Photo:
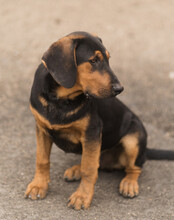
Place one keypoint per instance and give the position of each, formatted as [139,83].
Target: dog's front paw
[129,188]
[37,189]
[72,173]
[80,199]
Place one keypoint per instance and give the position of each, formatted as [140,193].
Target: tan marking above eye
[107,54]
[97,54]
[100,55]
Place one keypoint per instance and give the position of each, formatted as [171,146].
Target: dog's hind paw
[129,188]
[72,173]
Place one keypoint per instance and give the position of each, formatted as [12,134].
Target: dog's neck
[64,106]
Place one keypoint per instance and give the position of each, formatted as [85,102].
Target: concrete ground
[140,38]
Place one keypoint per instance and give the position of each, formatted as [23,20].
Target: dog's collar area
[87,95]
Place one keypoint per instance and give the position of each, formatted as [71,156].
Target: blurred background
[140,38]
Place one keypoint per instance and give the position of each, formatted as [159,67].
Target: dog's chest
[67,139]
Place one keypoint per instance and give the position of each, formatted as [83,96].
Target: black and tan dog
[73,102]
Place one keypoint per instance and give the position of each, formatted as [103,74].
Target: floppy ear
[60,61]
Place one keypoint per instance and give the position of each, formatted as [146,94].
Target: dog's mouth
[102,94]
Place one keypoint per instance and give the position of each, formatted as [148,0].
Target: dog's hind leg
[129,185]
[112,159]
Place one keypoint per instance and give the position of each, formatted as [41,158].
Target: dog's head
[80,58]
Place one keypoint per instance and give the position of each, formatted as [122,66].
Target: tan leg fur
[89,172]
[37,189]
[129,185]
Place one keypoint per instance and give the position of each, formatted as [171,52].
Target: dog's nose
[117,89]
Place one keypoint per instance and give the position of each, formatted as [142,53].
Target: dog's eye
[94,60]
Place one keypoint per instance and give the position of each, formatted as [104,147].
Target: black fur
[61,61]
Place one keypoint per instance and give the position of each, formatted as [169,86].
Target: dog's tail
[154,154]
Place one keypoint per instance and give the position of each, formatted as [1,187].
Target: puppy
[74,105]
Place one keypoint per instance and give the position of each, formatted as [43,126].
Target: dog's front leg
[89,172]
[37,189]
